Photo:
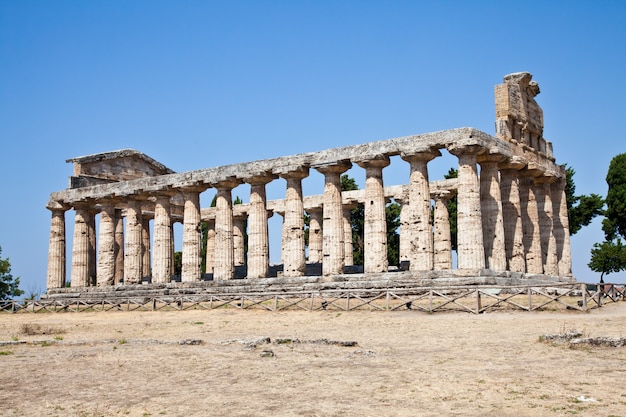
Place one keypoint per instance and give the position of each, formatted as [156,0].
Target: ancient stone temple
[512,215]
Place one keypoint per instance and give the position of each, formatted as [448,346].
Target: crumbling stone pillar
[162,249]
[348,249]
[210,246]
[146,251]
[442,242]
[119,247]
[240,221]
[512,216]
[315,234]
[91,230]
[224,249]
[192,240]
[133,260]
[293,245]
[561,228]
[258,236]
[106,245]
[81,247]
[375,227]
[546,223]
[491,206]
[56,248]
[333,234]
[417,226]
[530,224]
[470,249]
[405,243]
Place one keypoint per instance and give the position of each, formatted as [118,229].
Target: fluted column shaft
[417,226]
[162,248]
[133,261]
[546,223]
[224,248]
[491,206]
[512,220]
[146,250]
[333,234]
[348,249]
[239,238]
[106,246]
[91,230]
[56,250]
[315,234]
[375,227]
[210,246]
[80,248]
[470,249]
[258,235]
[561,228]
[192,239]
[442,242]
[530,225]
[293,245]
[119,247]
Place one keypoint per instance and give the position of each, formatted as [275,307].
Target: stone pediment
[115,166]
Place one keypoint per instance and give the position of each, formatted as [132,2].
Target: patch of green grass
[5,352]
[122,341]
[57,337]
[199,323]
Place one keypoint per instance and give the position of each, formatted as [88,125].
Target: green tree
[581,209]
[607,257]
[614,223]
[9,285]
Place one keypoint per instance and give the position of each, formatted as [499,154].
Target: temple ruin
[512,214]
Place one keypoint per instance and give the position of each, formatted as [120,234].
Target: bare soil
[405,363]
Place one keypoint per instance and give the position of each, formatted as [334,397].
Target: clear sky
[198,84]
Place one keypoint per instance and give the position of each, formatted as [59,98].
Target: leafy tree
[614,223]
[607,257]
[9,285]
[581,209]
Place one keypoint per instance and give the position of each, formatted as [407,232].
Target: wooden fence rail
[470,299]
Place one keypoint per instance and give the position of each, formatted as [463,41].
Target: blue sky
[198,84]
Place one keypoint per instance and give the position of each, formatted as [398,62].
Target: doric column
[106,245]
[442,242]
[119,247]
[561,228]
[81,247]
[239,238]
[405,243]
[258,237]
[315,234]
[192,236]
[348,249]
[162,259]
[530,224]
[210,246]
[56,248]
[224,249]
[133,260]
[491,206]
[333,235]
[546,223]
[146,250]
[293,245]
[375,227]
[471,253]
[512,217]
[91,230]
[418,228]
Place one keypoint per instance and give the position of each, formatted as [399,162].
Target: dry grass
[404,363]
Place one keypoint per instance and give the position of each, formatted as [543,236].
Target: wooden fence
[470,299]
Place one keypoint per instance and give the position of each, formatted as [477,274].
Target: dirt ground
[404,363]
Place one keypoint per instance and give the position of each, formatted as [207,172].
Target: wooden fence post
[583,289]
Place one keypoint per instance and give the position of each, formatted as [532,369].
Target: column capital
[338,167]
[199,188]
[293,172]
[514,163]
[227,183]
[421,155]
[545,179]
[490,158]
[261,178]
[459,150]
[377,161]
[57,206]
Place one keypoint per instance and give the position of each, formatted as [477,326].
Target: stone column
[405,243]
[192,236]
[224,249]
[56,248]
[530,225]
[133,259]
[119,247]
[258,236]
[442,242]
[162,248]
[333,234]
[471,253]
[81,247]
[418,228]
[146,251]
[546,222]
[375,227]
[239,238]
[210,246]
[293,245]
[348,249]
[315,234]
[512,216]
[91,230]
[561,228]
[491,205]
[106,245]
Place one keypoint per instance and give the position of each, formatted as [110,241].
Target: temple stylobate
[512,212]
